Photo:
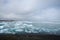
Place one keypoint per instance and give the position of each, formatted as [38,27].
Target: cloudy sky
[31,10]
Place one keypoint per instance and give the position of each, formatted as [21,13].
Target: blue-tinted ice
[29,27]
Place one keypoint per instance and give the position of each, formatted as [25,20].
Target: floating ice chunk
[4,30]
[1,31]
[37,28]
[19,23]
[33,27]
[30,25]
[22,27]
[29,31]
[19,30]
[16,27]
[27,22]
[24,24]
[33,31]
[1,27]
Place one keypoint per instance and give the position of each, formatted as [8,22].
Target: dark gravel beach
[29,37]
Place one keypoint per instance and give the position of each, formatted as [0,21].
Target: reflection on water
[29,27]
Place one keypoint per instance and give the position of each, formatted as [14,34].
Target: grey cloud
[32,10]
[18,8]
[49,14]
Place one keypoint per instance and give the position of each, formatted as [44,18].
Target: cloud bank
[31,10]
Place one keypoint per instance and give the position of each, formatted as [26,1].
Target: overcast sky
[31,10]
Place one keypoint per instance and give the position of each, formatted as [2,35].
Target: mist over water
[29,27]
